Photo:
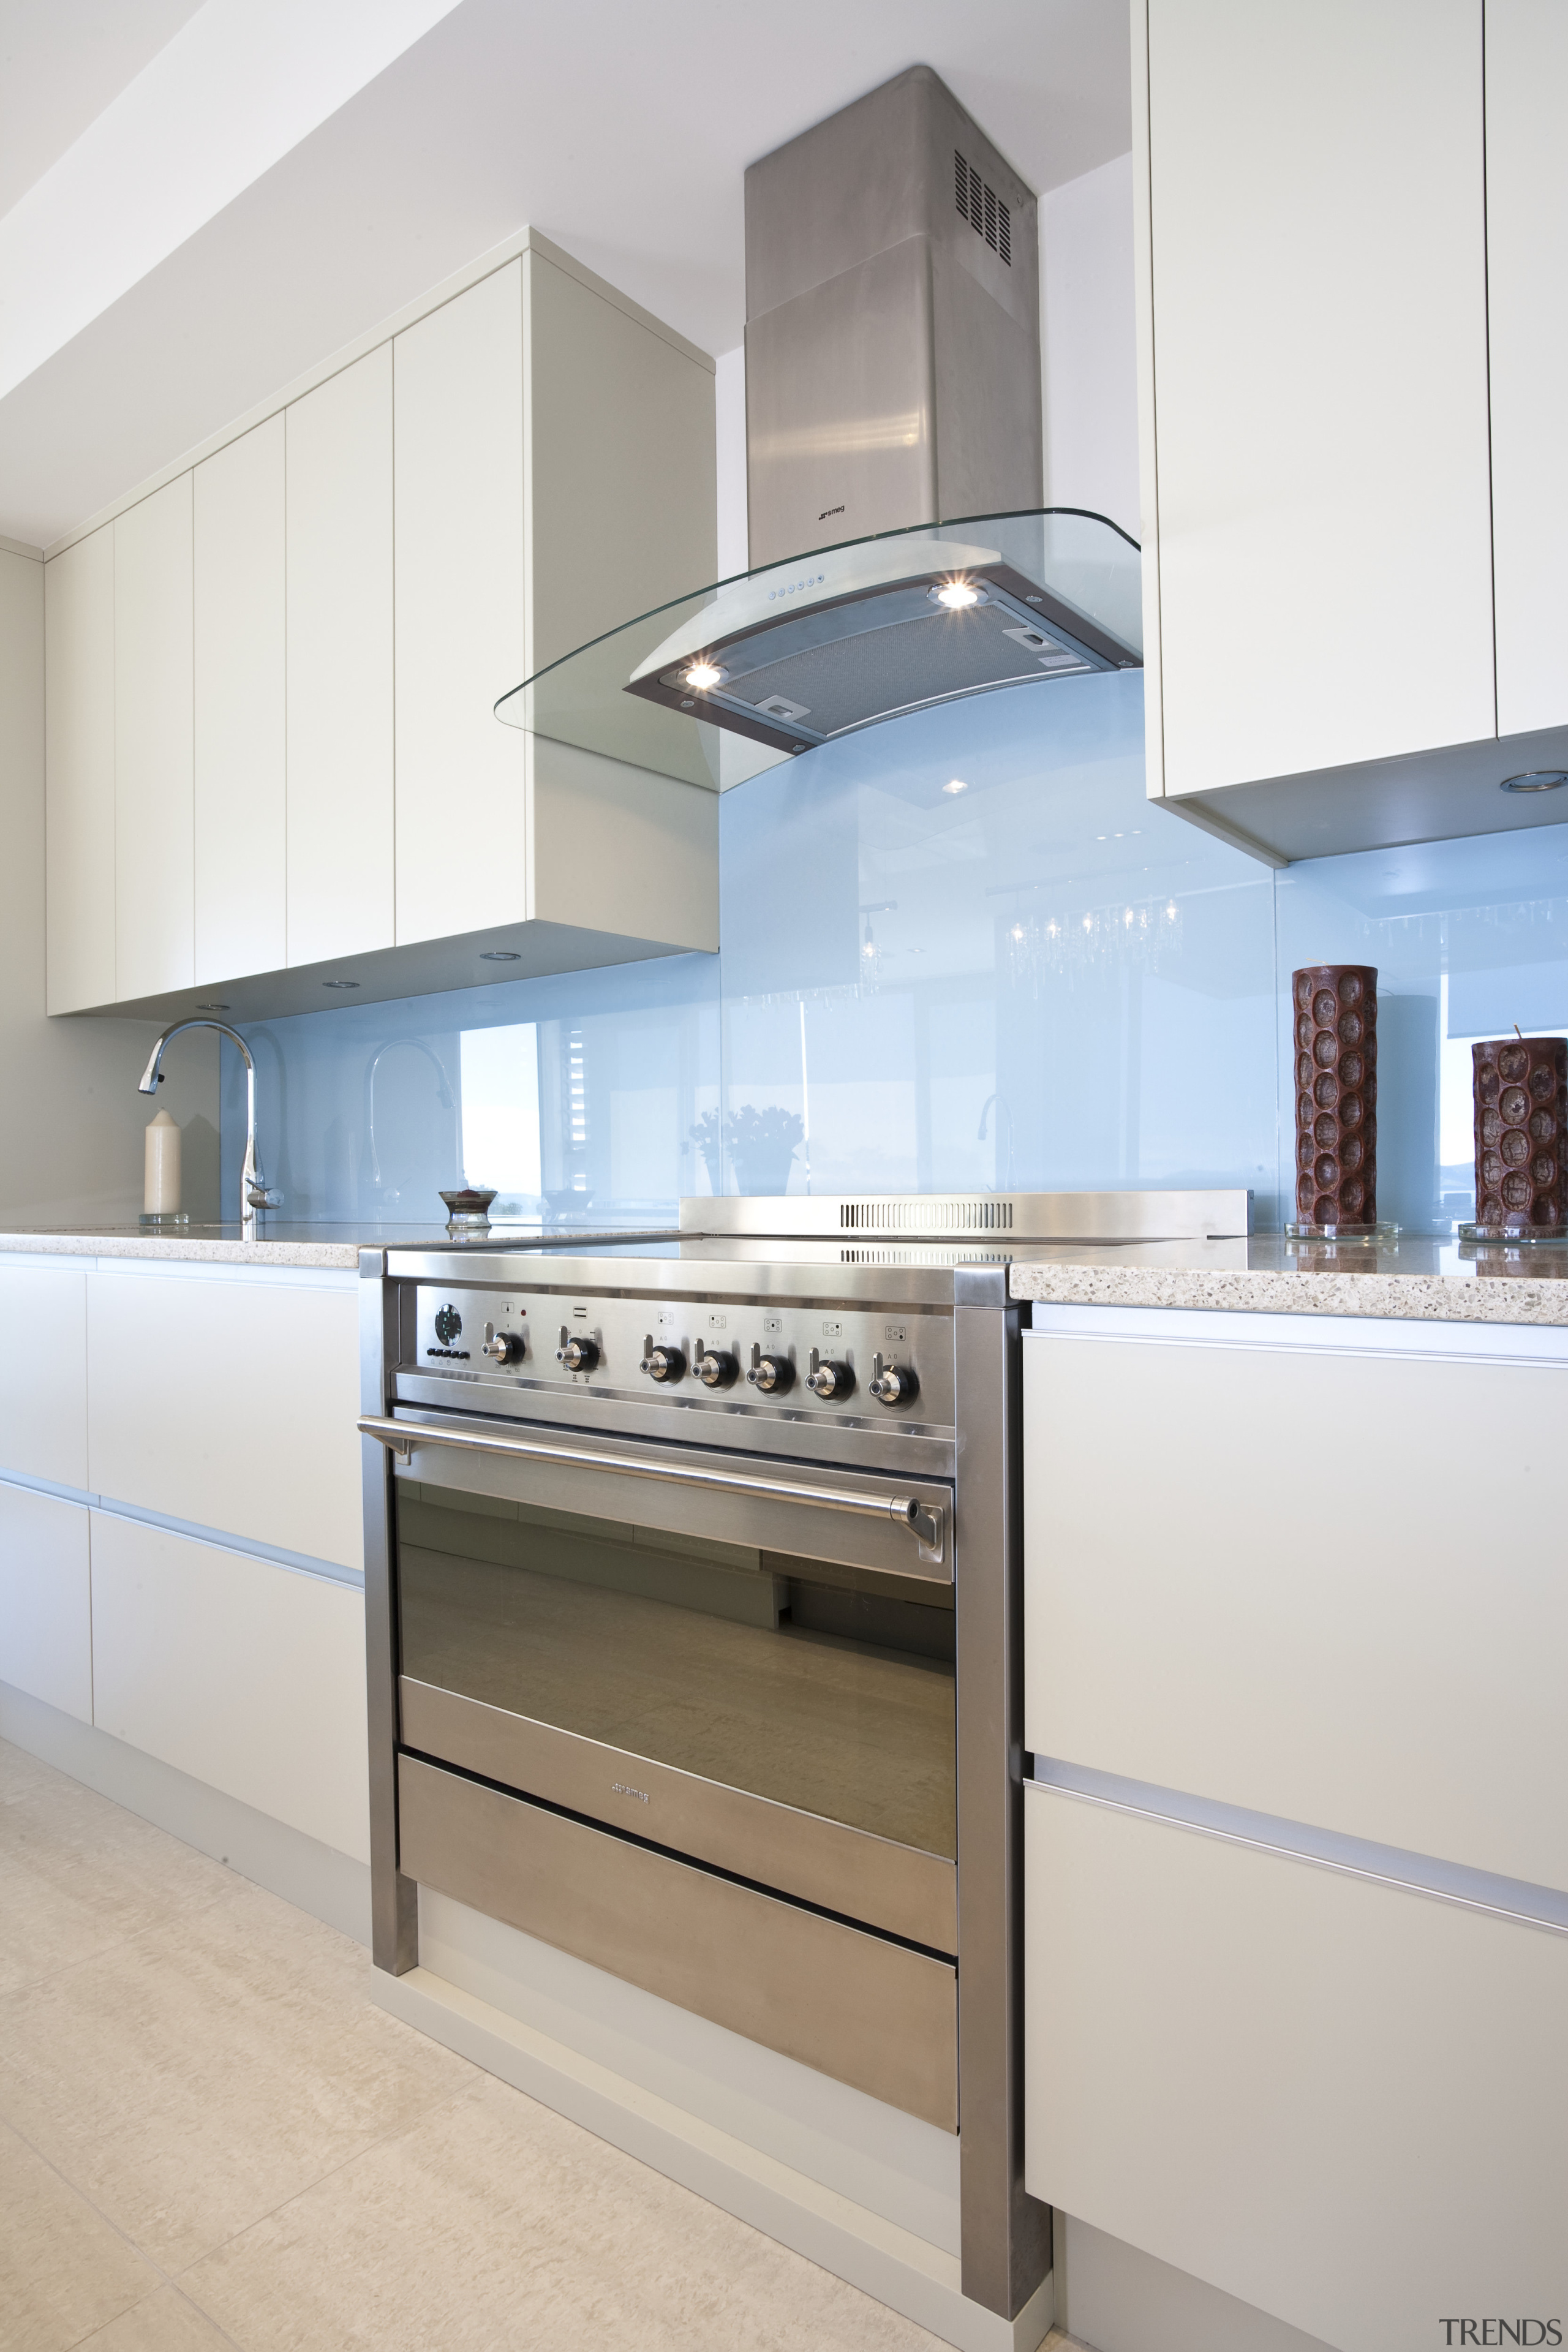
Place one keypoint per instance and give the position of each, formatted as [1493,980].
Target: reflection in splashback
[961,950]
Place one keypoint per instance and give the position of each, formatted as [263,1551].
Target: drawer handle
[925,1521]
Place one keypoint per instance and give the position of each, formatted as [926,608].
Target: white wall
[1087,330]
[70,1134]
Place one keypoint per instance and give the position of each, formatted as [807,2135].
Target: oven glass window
[820,1685]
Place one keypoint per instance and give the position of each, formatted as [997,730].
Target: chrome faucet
[253,1192]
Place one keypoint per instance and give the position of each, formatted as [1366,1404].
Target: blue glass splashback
[960,949]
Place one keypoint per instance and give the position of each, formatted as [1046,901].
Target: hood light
[956,595]
[955,784]
[704,674]
[1540,780]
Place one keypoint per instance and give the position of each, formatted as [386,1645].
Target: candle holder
[469,1208]
[1521,1126]
[1334,1007]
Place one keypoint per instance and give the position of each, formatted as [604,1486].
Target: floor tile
[19,1771]
[198,2075]
[79,1874]
[62,2269]
[495,2223]
[166,2322]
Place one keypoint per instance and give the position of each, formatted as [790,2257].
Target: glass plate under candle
[164,1217]
[1516,1236]
[1381,1232]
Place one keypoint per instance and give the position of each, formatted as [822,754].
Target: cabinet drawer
[232,1405]
[43,1382]
[45,1629]
[1339,2101]
[1319,1583]
[246,1675]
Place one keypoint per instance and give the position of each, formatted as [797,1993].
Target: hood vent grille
[982,208]
[928,1213]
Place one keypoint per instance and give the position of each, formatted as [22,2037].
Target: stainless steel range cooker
[693,1598]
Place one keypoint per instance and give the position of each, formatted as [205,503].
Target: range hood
[892,377]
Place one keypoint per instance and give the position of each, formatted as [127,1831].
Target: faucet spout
[253,1192]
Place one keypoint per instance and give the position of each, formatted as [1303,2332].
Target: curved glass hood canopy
[732,680]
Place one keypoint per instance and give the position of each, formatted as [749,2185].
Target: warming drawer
[868,2012]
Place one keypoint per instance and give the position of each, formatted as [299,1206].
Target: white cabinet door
[622,455]
[153,753]
[246,1675]
[43,1377]
[340,632]
[1319,384]
[1320,1584]
[1341,2101]
[46,1627]
[461,638]
[1527,268]
[78,736]
[240,708]
[230,1405]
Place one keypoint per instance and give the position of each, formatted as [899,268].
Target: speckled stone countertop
[318,1245]
[1419,1277]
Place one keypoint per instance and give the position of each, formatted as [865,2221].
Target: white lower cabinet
[244,1675]
[46,1624]
[230,1405]
[43,1385]
[1324,1581]
[1341,2101]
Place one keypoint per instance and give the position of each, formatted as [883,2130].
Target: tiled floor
[209,2135]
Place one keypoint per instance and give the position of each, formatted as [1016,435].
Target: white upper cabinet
[154,747]
[239,707]
[622,487]
[340,664]
[1527,249]
[274,758]
[458,378]
[1315,376]
[78,735]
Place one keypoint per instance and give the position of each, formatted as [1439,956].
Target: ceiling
[202,203]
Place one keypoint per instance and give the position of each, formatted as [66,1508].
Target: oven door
[744,1664]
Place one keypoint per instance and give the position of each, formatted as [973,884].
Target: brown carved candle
[1336,1094]
[1521,1109]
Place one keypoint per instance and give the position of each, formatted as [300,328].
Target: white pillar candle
[161,1195]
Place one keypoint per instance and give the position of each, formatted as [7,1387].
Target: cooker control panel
[737,1356]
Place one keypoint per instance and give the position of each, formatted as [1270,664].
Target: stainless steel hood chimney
[894,429]
[892,325]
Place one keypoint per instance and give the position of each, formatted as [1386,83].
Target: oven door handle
[925,1521]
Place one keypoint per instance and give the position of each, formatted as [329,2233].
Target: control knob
[826,1380]
[772,1374]
[661,1363]
[503,1347]
[892,1383]
[715,1369]
[578,1355]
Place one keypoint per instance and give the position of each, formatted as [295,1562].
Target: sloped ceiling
[258,184]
